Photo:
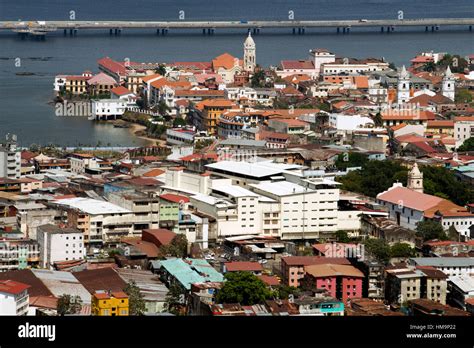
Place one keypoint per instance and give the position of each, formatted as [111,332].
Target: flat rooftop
[282,188]
[234,191]
[254,170]
[91,206]
[444,261]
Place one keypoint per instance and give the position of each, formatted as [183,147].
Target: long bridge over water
[41,28]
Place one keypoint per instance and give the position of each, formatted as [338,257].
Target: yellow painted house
[110,304]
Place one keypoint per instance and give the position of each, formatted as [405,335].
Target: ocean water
[24,100]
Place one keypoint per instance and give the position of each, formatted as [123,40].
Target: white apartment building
[14,298]
[254,96]
[59,244]
[350,69]
[180,136]
[104,109]
[305,212]
[346,123]
[463,129]
[10,158]
[239,211]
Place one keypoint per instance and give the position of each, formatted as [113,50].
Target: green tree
[284,291]
[178,247]
[430,229]
[467,145]
[162,108]
[179,122]
[378,120]
[430,66]
[175,299]
[244,288]
[442,182]
[351,159]
[258,79]
[463,96]
[374,177]
[379,249]
[342,237]
[161,70]
[402,250]
[68,304]
[136,302]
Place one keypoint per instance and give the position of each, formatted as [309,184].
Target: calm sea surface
[24,107]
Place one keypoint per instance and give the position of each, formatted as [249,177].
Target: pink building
[292,267]
[340,281]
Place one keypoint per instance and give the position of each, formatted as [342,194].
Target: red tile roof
[409,198]
[243,266]
[12,287]
[297,64]
[158,236]
[120,90]
[175,198]
[269,280]
[313,260]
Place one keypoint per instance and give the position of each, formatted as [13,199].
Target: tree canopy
[374,177]
[175,299]
[244,288]
[467,145]
[378,176]
[68,304]
[429,229]
[402,250]
[136,302]
[178,247]
[351,159]
[379,249]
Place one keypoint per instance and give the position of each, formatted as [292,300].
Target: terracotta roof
[148,248]
[292,122]
[120,90]
[151,77]
[225,60]
[333,270]
[464,118]
[113,66]
[237,266]
[153,173]
[199,92]
[44,302]
[297,64]
[408,115]
[269,280]
[398,126]
[174,198]
[158,237]
[409,198]
[440,123]
[12,287]
[313,260]
[218,102]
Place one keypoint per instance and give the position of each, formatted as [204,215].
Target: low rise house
[243,266]
[113,304]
